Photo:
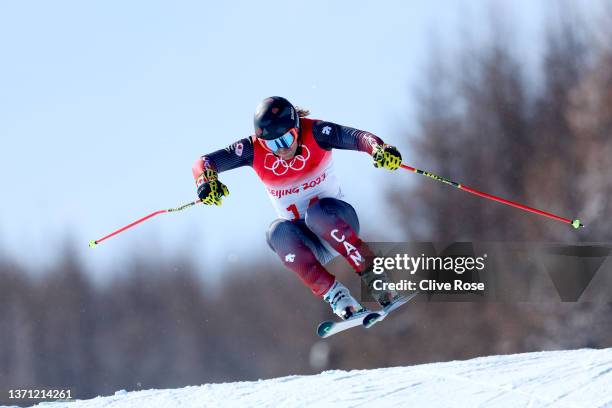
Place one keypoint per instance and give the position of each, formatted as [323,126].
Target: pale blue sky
[104,106]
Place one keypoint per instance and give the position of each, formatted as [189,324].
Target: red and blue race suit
[306,195]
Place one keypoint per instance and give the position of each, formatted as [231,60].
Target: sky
[105,105]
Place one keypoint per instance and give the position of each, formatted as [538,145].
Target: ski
[366,318]
[331,327]
[376,316]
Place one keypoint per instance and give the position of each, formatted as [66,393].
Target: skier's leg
[336,222]
[290,240]
[287,240]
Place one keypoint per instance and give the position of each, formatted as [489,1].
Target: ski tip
[324,328]
[577,224]
[93,244]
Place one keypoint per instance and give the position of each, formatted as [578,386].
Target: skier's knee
[315,216]
[326,213]
[280,230]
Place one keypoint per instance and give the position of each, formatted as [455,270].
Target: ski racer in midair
[292,155]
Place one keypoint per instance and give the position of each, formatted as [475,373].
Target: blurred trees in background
[157,326]
[542,139]
[487,120]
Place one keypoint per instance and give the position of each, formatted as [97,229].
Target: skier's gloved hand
[212,192]
[386,156]
[210,189]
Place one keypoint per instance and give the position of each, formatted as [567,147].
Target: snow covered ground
[576,378]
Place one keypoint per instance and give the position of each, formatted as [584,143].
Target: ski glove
[210,189]
[386,156]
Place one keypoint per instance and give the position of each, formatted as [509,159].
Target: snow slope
[577,378]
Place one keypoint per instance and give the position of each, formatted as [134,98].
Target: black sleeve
[235,155]
[333,136]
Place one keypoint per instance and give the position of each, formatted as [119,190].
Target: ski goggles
[283,142]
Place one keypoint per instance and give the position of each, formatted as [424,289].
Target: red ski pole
[94,243]
[574,223]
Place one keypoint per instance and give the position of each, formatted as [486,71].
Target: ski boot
[341,301]
[382,297]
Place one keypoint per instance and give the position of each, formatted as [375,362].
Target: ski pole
[574,223]
[95,243]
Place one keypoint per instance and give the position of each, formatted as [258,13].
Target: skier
[292,155]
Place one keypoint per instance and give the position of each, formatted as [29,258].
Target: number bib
[294,185]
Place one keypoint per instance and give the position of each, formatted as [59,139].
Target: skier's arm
[333,136]
[235,155]
[207,167]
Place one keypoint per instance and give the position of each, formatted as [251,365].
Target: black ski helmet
[274,117]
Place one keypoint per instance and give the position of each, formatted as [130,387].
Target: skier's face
[287,153]
[284,146]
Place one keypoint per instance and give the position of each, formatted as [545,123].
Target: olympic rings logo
[280,167]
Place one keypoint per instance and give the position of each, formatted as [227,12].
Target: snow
[575,378]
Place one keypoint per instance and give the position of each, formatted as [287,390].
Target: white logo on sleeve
[290,258]
[326,130]
[239,148]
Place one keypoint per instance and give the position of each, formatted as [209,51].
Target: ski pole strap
[574,223]
[184,206]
